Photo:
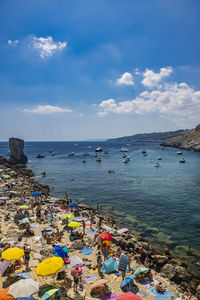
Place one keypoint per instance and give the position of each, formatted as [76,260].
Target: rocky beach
[17,186]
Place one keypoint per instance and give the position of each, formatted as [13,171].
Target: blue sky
[88,69]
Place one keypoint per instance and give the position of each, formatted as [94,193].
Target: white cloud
[126,79]
[152,79]
[47,46]
[10,42]
[174,100]
[47,109]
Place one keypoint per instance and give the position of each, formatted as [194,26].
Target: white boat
[125,160]
[98,159]
[125,155]
[71,154]
[182,160]
[179,152]
[144,151]
[123,149]
[98,149]
[159,158]
[157,165]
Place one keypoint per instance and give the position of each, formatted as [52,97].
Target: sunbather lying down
[160,288]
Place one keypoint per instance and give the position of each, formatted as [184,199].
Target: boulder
[182,273]
[169,270]
[17,155]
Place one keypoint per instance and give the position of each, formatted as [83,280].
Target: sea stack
[17,155]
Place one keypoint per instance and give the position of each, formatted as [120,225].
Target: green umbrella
[141,270]
[69,216]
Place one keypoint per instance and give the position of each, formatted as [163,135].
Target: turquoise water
[162,203]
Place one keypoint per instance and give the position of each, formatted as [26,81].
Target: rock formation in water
[17,155]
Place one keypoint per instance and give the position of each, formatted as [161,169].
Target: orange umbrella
[4,296]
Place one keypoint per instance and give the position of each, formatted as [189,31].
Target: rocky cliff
[17,155]
[189,141]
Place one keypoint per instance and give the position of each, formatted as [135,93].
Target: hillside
[148,137]
[189,141]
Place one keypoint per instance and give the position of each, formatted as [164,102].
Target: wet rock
[17,155]
[161,259]
[182,273]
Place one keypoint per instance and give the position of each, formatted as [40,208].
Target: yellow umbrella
[49,266]
[69,216]
[12,254]
[23,206]
[74,224]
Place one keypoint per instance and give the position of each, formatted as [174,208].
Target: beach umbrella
[141,270]
[3,192]
[68,216]
[23,288]
[23,207]
[3,266]
[105,236]
[49,266]
[48,294]
[4,295]
[23,221]
[129,296]
[5,176]
[12,254]
[59,251]
[73,204]
[74,224]
[36,194]
[127,280]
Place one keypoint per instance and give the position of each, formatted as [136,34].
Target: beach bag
[123,263]
[109,266]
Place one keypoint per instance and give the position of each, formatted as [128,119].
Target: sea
[162,204]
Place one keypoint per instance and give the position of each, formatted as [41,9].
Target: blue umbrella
[73,204]
[36,194]
[127,280]
[59,251]
[3,191]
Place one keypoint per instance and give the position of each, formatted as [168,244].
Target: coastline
[171,269]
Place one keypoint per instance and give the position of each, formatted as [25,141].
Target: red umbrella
[105,236]
[129,296]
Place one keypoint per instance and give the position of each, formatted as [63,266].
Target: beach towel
[148,284]
[75,260]
[161,296]
[123,263]
[91,231]
[86,251]
[112,295]
[90,278]
[109,266]
[24,275]
[142,294]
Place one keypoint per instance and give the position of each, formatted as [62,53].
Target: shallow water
[163,203]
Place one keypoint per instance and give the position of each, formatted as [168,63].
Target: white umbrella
[23,288]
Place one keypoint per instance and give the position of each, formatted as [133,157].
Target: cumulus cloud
[152,79]
[47,109]
[47,46]
[175,99]
[126,79]
[15,42]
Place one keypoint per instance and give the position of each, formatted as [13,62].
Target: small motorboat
[144,151]
[123,149]
[159,158]
[86,154]
[98,149]
[40,156]
[50,151]
[182,160]
[84,161]
[157,165]
[125,155]
[179,152]
[71,154]
[125,161]
[98,159]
